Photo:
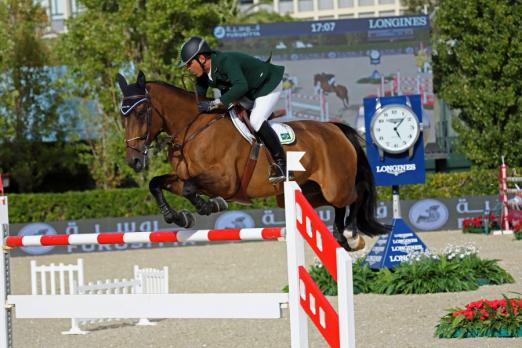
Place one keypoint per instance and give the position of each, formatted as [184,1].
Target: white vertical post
[346,309]
[34,287]
[6,338]
[288,102]
[295,258]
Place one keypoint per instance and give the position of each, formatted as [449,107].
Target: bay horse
[340,91]
[208,156]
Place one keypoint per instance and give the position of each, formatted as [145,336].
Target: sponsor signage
[377,27]
[423,215]
[393,248]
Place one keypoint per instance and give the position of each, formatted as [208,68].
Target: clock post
[395,151]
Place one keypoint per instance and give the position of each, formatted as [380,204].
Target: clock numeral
[381,138]
[381,121]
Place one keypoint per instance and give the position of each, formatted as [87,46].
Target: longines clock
[395,129]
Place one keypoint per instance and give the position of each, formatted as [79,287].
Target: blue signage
[406,167]
[393,248]
[377,27]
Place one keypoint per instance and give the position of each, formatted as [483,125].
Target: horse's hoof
[169,216]
[206,209]
[356,243]
[218,204]
[185,219]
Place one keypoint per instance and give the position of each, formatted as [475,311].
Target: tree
[478,71]
[34,124]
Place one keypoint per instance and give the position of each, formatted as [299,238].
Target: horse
[340,91]
[208,156]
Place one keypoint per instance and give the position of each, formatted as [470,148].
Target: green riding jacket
[239,75]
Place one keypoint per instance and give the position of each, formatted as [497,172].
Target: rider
[238,75]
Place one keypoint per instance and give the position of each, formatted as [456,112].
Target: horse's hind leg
[338,228]
[353,237]
[183,218]
[204,207]
[348,239]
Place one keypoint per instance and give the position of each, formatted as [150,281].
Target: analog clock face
[395,128]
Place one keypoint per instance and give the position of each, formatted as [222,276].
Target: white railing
[64,279]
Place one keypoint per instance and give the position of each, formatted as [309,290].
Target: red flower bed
[479,309]
[492,318]
[478,224]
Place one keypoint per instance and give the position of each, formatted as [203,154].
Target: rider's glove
[209,105]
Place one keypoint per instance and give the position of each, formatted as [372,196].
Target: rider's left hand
[209,105]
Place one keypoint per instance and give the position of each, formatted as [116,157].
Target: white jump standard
[304,297]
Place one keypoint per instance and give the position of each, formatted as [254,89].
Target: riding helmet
[192,47]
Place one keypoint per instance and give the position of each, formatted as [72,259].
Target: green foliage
[92,204]
[448,185]
[426,275]
[323,279]
[497,318]
[477,72]
[35,123]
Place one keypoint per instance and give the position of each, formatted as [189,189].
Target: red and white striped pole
[502,184]
[146,237]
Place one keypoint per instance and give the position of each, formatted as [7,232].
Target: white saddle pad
[285,133]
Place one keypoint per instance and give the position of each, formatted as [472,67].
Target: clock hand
[402,120]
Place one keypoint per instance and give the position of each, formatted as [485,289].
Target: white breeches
[263,107]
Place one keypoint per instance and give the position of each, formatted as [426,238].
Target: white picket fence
[64,279]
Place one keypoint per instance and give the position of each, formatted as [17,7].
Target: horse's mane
[172,87]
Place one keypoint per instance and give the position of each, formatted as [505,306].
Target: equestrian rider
[239,76]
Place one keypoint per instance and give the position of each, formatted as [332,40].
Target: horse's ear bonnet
[133,94]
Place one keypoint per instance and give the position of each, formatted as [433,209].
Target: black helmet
[192,47]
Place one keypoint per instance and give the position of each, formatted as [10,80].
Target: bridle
[143,150]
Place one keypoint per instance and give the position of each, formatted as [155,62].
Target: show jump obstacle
[511,215]
[304,297]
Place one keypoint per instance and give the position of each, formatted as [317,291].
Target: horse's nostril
[137,165]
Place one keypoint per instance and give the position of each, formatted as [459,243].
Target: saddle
[240,117]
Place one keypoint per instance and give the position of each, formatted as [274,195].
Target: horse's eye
[142,113]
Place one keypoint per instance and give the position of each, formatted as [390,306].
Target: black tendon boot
[270,139]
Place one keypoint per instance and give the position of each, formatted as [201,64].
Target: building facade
[58,11]
[330,9]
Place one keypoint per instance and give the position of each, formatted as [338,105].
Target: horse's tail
[363,209]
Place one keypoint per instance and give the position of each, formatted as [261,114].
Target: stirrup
[276,179]
[280,175]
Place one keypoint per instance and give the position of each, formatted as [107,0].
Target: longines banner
[422,215]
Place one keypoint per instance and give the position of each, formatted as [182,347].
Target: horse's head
[140,130]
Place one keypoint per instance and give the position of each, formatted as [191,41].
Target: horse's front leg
[204,207]
[172,183]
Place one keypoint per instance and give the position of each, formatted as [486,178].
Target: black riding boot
[269,137]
